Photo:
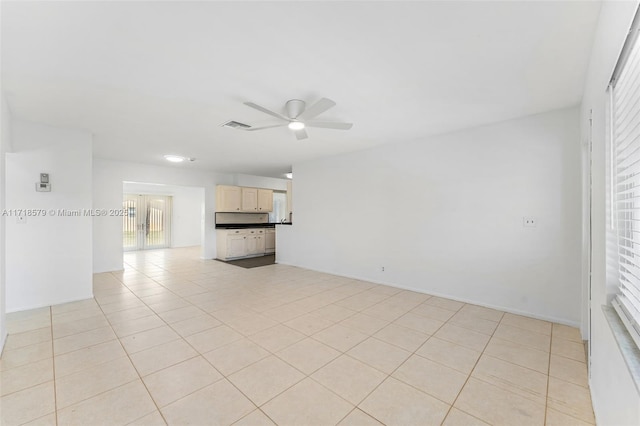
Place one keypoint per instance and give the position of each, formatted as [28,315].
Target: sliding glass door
[147,222]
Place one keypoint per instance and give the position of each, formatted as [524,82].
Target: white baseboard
[62,302]
[563,321]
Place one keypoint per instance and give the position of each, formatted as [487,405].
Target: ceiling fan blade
[316,109]
[330,125]
[301,134]
[251,129]
[266,111]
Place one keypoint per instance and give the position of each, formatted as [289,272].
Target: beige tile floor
[178,340]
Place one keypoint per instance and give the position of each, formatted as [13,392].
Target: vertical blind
[625,139]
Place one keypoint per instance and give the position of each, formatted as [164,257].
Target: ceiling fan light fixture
[298,114]
[296,125]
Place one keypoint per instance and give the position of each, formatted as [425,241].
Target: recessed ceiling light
[177,158]
[174,158]
[296,125]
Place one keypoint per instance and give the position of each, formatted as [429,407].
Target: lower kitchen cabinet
[239,243]
[255,242]
[236,246]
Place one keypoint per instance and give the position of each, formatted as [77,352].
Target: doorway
[147,221]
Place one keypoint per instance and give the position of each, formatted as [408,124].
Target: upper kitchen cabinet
[265,200]
[249,199]
[228,198]
[243,199]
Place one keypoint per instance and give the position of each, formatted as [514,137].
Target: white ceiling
[151,78]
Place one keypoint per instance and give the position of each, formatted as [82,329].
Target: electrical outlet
[529,222]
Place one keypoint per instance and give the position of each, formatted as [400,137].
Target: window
[279,212]
[624,110]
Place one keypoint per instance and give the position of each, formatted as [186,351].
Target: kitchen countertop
[244,225]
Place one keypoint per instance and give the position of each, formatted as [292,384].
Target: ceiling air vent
[236,125]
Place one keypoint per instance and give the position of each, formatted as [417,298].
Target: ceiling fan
[299,117]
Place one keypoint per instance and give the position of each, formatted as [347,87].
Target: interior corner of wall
[3,340]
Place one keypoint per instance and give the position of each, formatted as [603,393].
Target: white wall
[108,177]
[445,216]
[615,399]
[5,146]
[48,258]
[187,219]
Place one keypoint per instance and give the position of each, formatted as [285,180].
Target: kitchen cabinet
[251,247]
[228,198]
[255,242]
[249,199]
[260,245]
[236,245]
[231,243]
[265,200]
[239,243]
[243,199]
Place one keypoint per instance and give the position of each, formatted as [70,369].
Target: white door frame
[149,210]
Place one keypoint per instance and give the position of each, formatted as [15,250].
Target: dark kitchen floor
[254,262]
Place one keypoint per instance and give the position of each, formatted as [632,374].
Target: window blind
[625,135]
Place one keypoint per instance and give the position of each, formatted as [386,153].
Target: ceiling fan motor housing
[297,117]
[294,108]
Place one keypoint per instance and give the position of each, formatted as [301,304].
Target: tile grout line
[546,399]
[132,364]
[286,362]
[369,335]
[53,363]
[223,376]
[259,294]
[470,373]
[400,365]
[251,412]
[566,381]
[187,342]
